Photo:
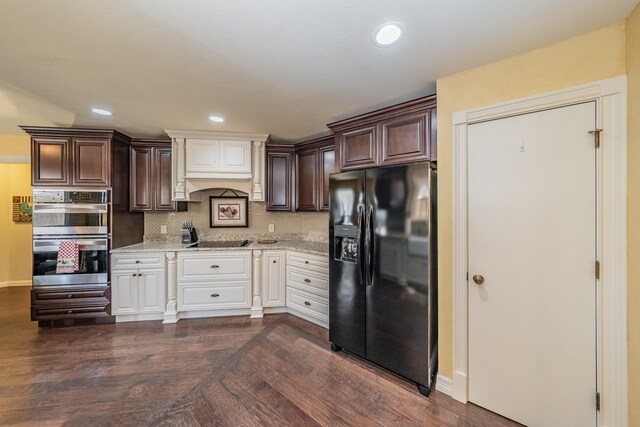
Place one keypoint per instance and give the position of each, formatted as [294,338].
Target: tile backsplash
[310,225]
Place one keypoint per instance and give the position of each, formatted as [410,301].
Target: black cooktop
[221,244]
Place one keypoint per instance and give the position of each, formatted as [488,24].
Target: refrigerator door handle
[360,235]
[370,246]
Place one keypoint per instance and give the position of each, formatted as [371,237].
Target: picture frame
[228,211]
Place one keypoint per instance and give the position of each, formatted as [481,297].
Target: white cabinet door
[151,291]
[273,278]
[235,156]
[124,296]
[202,155]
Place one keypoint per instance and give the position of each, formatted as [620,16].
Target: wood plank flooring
[277,371]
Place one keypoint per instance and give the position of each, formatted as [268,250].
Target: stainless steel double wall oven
[81,216]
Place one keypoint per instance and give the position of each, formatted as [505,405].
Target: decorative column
[178,153]
[256,310]
[258,171]
[171,314]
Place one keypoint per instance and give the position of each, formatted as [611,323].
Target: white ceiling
[284,67]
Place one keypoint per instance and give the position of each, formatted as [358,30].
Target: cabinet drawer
[308,280]
[70,297]
[53,313]
[214,267]
[206,297]
[312,305]
[308,261]
[128,261]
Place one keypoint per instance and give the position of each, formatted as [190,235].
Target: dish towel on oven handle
[68,257]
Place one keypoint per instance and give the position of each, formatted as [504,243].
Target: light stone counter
[316,248]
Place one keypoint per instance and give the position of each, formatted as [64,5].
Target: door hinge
[597,269]
[597,401]
[596,136]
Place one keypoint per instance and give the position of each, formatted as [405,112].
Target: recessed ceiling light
[102,112]
[216,119]
[388,34]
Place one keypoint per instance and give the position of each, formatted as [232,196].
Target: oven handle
[53,245]
[70,208]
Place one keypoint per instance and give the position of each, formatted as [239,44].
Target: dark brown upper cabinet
[280,177]
[307,179]
[140,192]
[327,156]
[50,161]
[400,134]
[150,176]
[315,160]
[66,157]
[298,175]
[91,162]
[359,148]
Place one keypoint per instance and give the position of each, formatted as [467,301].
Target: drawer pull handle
[137,261]
[215,295]
[307,303]
[70,296]
[215,266]
[307,280]
[69,311]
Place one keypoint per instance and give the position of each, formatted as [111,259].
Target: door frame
[611,115]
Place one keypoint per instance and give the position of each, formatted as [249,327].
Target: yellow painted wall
[583,59]
[15,145]
[633,211]
[15,239]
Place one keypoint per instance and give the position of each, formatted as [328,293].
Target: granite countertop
[317,248]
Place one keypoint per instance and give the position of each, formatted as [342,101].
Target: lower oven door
[93,262]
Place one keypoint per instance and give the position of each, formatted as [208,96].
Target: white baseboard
[443,385]
[15,283]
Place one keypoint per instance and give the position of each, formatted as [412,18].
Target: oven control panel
[62,196]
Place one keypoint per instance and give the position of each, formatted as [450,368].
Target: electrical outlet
[163,229]
[272,228]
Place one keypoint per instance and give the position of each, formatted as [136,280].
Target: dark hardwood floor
[278,371]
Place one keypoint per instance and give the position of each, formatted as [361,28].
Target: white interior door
[532,236]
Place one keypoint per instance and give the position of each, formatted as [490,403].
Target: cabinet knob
[215,295]
[307,280]
[306,262]
[274,261]
[137,261]
[307,303]
[70,296]
[134,274]
[69,311]
[215,266]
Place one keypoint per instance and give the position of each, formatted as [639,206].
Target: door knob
[478,279]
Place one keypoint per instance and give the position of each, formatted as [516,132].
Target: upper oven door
[70,218]
[93,260]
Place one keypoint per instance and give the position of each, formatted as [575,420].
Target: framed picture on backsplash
[228,211]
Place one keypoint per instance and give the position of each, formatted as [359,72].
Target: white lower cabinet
[214,280]
[308,286]
[273,278]
[137,291]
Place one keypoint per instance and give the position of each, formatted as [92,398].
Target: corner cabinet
[298,175]
[71,157]
[150,177]
[400,134]
[202,160]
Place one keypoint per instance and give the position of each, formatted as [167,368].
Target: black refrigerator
[383,268]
